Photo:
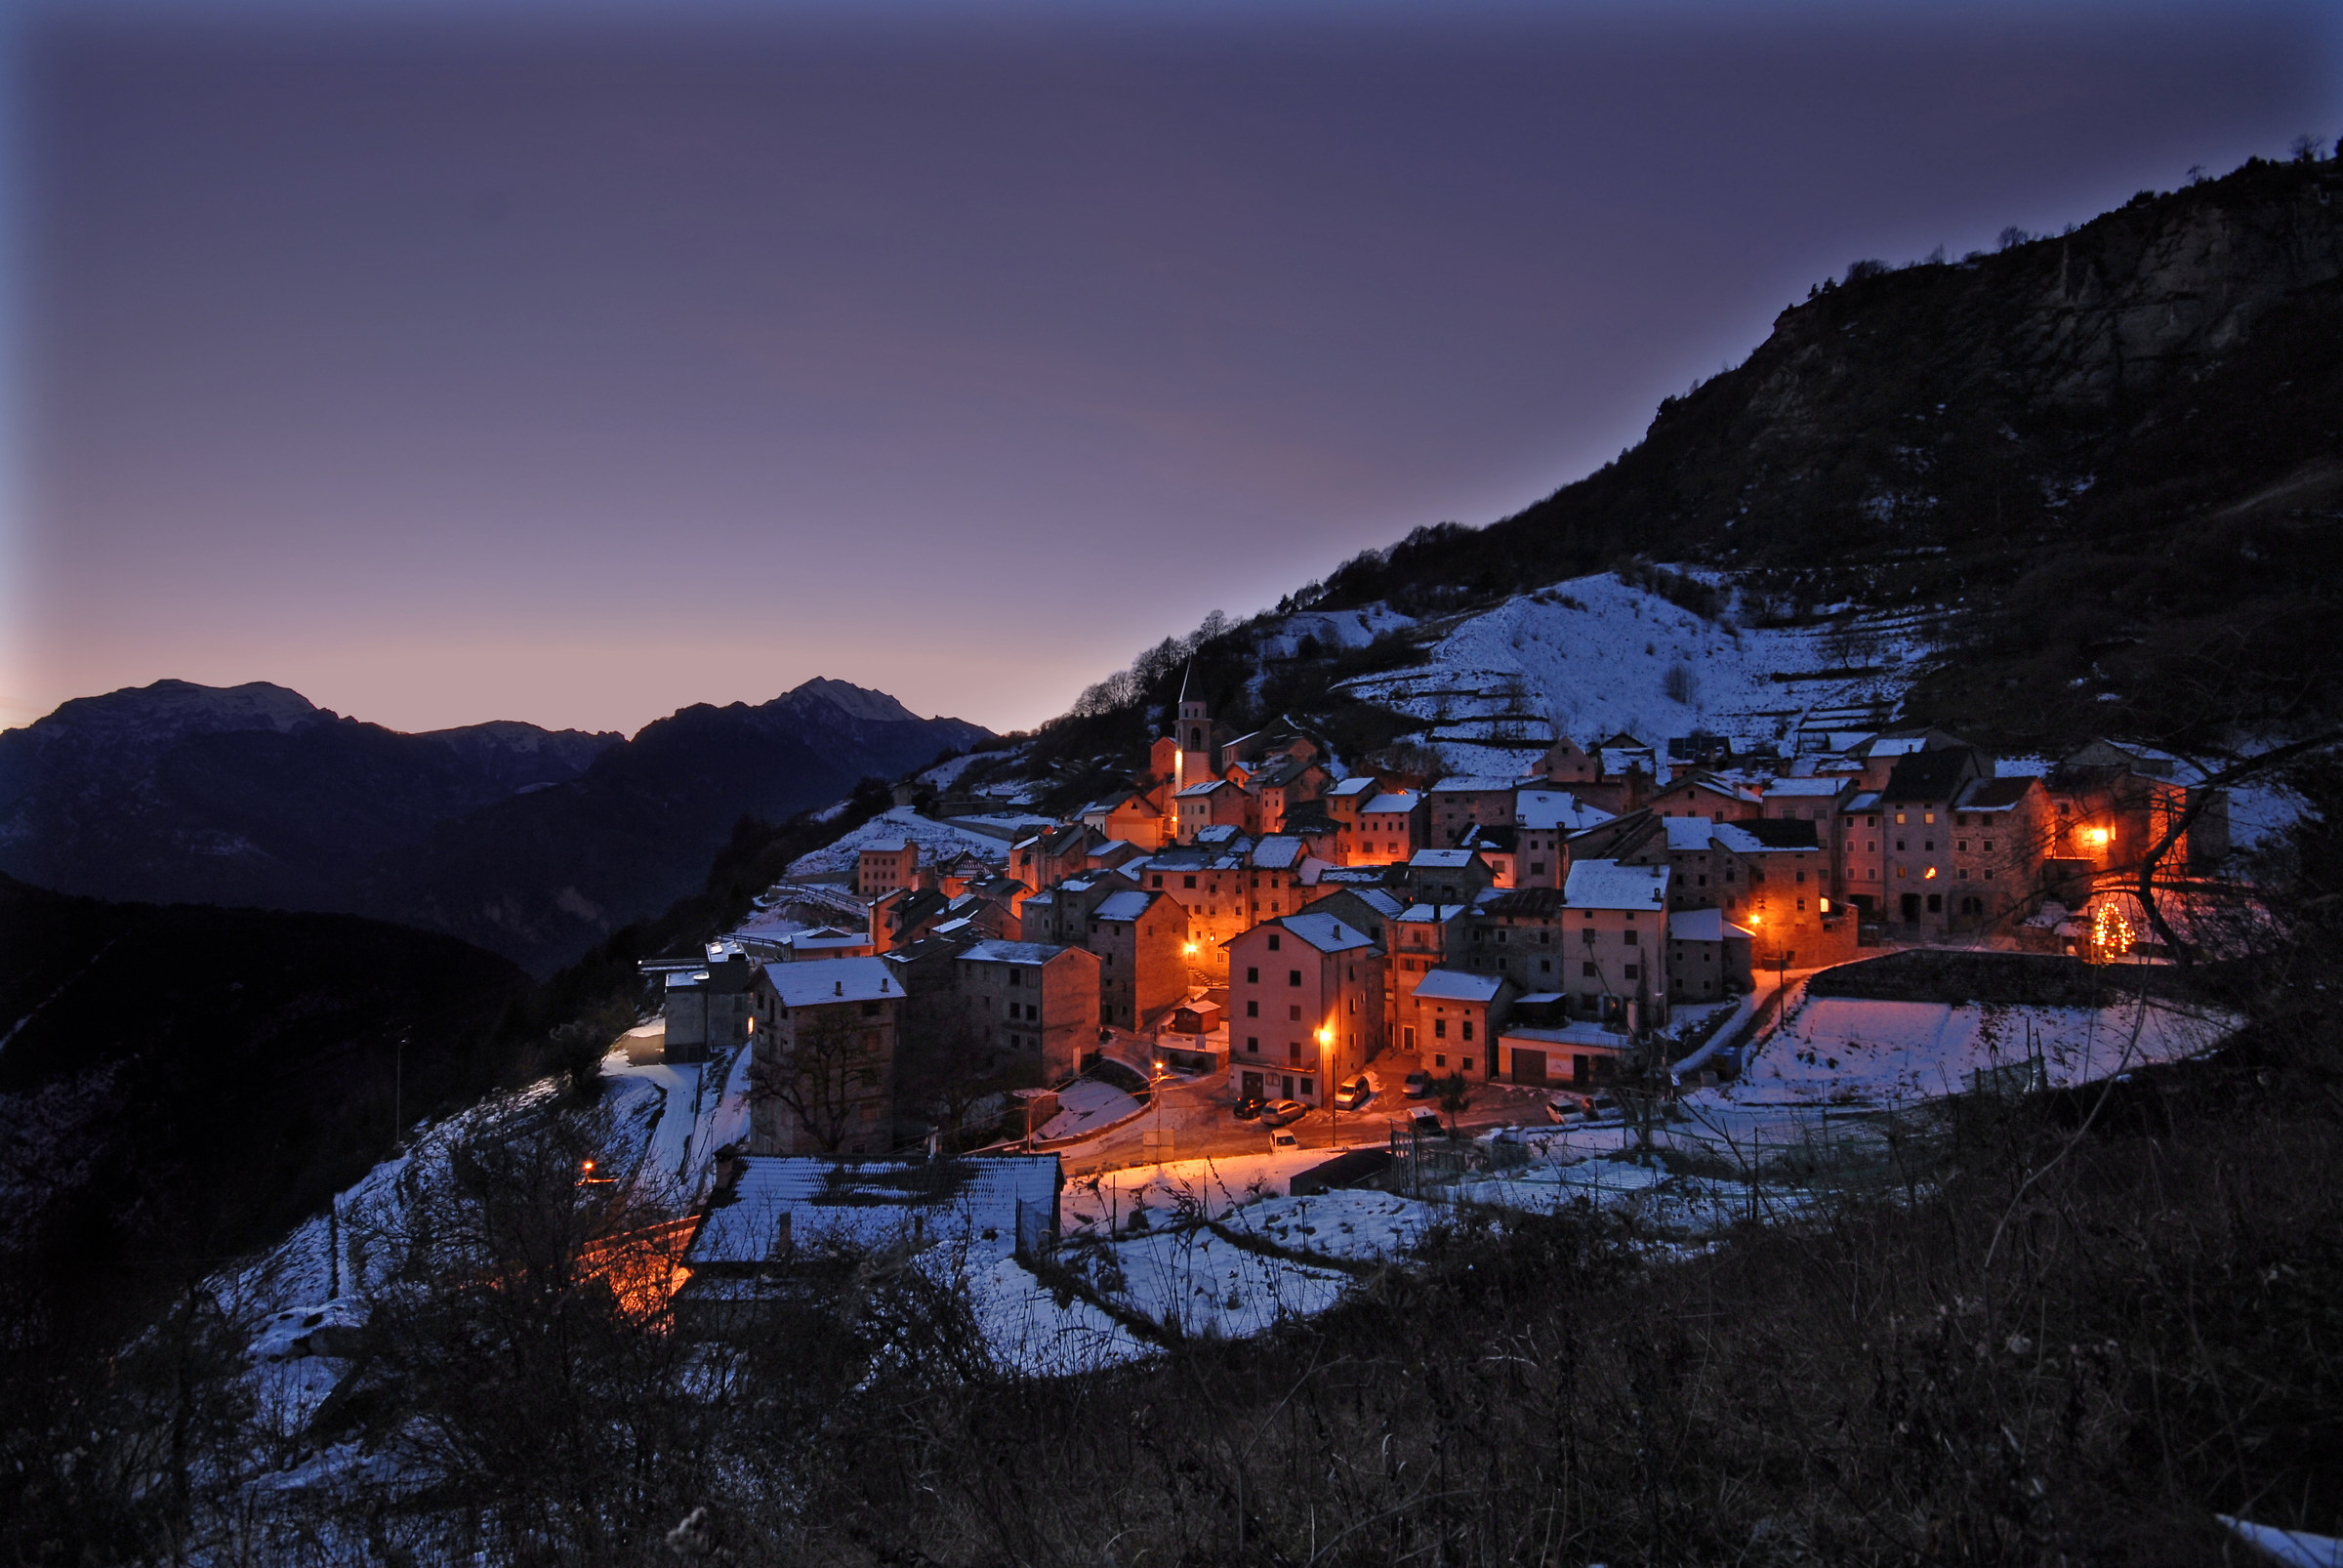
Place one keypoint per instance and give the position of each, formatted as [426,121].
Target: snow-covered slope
[1592,656]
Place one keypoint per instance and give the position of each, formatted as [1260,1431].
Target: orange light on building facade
[2096,836]
[1929,874]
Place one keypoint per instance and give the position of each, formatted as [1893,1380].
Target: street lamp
[1155,1092]
[1334,1105]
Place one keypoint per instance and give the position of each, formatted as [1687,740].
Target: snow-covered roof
[1472,783]
[1703,926]
[1124,905]
[886,846]
[1431,912]
[870,1203]
[1441,860]
[1195,791]
[1686,832]
[1325,932]
[1554,808]
[1227,833]
[1362,785]
[812,982]
[1276,852]
[1804,787]
[1608,885]
[1395,800]
[1014,952]
[1379,899]
[1456,985]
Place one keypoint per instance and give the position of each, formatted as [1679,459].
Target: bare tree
[820,1077]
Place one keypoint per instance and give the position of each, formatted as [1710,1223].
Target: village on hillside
[1254,959]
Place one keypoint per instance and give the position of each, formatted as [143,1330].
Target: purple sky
[450,370]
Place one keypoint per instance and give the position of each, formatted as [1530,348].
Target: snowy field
[1853,1051]
[936,840]
[1592,656]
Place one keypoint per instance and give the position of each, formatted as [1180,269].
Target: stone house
[886,864]
[1032,1007]
[823,1068]
[1141,944]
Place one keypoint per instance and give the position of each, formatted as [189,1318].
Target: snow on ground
[1358,1225]
[1847,1050]
[1205,1286]
[1085,1105]
[2261,813]
[1203,1189]
[946,773]
[937,839]
[1334,629]
[1026,1326]
[1592,656]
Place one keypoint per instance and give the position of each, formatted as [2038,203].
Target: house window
[1253,1045]
[1407,1038]
[1588,969]
[1440,1030]
[1253,1010]
[1468,1028]
[1294,1013]
[1187,882]
[1293,976]
[1630,936]
[1631,972]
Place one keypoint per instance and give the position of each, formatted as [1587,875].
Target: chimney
[837,988]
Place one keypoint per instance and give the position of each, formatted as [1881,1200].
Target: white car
[1282,1137]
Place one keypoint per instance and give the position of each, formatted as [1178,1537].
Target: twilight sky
[573,364]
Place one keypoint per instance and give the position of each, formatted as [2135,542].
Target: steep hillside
[2112,455]
[180,1082]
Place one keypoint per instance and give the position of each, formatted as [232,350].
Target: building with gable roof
[886,864]
[1461,802]
[823,1064]
[1033,1007]
[1305,997]
[1615,922]
[1392,826]
[1458,1015]
[1143,949]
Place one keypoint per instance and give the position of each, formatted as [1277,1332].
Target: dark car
[1279,1112]
[1353,1095]
[1418,1085]
[1249,1108]
[1423,1120]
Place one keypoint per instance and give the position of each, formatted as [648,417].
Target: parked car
[1419,1085]
[1353,1095]
[1562,1106]
[1282,1137]
[1424,1120]
[1248,1109]
[1278,1112]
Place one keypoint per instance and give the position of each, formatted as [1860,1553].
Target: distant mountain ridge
[530,842]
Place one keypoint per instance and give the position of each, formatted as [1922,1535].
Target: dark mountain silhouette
[544,876]
[2110,458]
[533,843]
